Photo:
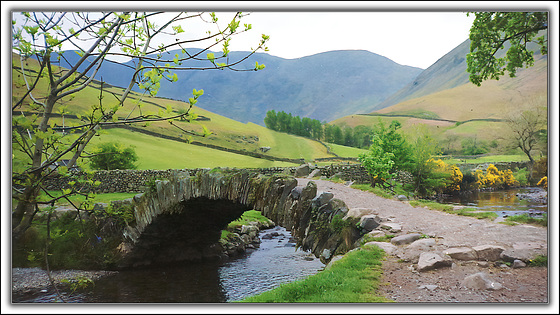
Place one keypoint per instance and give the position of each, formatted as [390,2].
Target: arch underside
[190,233]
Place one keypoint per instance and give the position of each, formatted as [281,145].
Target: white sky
[409,38]
[416,38]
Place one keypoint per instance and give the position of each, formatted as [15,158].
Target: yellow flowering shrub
[495,178]
[455,177]
[543,182]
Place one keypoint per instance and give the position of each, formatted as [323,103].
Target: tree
[271,120]
[491,31]
[378,162]
[362,136]
[424,169]
[113,156]
[338,136]
[96,36]
[348,136]
[526,126]
[394,142]
[388,153]
[471,146]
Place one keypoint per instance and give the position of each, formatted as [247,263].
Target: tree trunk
[23,215]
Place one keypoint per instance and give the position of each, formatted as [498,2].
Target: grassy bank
[245,219]
[353,279]
[526,219]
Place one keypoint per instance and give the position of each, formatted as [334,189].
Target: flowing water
[276,261]
[504,202]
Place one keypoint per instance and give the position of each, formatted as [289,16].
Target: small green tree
[426,179]
[394,142]
[114,156]
[378,162]
[471,146]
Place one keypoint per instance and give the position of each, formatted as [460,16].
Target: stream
[504,203]
[276,261]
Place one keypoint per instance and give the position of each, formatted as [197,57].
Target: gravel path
[402,283]
[36,279]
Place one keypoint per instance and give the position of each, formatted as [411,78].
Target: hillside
[446,73]
[231,144]
[324,86]
[443,100]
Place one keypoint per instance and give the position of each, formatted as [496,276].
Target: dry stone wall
[137,180]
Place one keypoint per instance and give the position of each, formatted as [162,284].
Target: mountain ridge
[322,86]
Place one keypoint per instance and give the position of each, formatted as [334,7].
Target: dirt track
[402,283]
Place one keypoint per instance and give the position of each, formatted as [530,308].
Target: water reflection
[504,203]
[275,262]
[193,283]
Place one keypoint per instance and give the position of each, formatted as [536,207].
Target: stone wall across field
[137,180]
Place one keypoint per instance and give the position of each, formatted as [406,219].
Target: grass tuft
[353,279]
[524,218]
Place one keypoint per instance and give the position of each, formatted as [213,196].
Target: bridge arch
[182,217]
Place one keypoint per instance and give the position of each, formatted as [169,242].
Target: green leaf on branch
[178,29]
[259,67]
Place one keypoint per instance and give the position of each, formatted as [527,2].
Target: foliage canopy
[489,34]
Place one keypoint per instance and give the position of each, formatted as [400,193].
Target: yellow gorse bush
[454,173]
[543,182]
[495,178]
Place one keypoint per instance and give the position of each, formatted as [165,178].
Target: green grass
[160,154]
[469,212]
[538,261]
[370,238]
[490,159]
[344,151]
[524,218]
[244,219]
[418,113]
[289,146]
[104,198]
[249,216]
[353,279]
[78,199]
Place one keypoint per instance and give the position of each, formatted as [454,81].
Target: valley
[360,158]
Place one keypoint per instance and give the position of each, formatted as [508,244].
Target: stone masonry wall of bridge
[309,216]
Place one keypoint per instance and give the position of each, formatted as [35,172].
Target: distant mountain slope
[324,86]
[446,73]
[492,100]
[442,100]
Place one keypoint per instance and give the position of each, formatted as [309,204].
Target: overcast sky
[416,38]
[409,38]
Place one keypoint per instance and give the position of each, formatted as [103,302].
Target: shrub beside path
[449,281]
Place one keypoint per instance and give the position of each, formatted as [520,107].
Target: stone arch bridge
[182,217]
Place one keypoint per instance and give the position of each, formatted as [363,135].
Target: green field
[157,153]
[490,159]
[344,151]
